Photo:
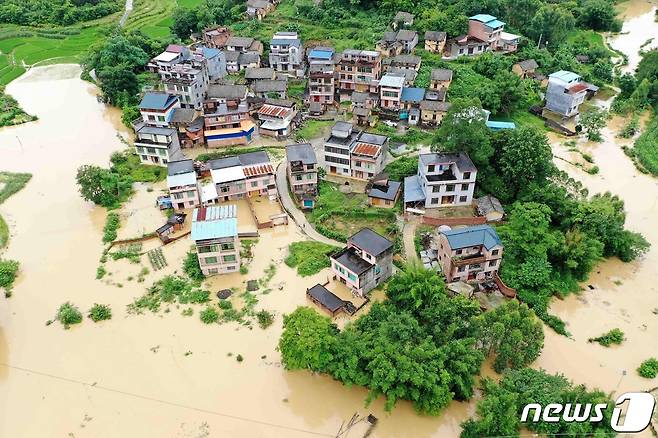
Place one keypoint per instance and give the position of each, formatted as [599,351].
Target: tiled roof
[432,35]
[371,242]
[214,222]
[528,64]
[472,236]
[367,149]
[441,74]
[258,170]
[158,101]
[275,111]
[326,298]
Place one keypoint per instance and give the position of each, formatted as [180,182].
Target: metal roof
[350,259]
[208,192]
[377,139]
[487,19]
[370,241]
[326,298]
[564,75]
[214,222]
[495,125]
[391,81]
[321,54]
[367,149]
[227,174]
[412,94]
[301,152]
[275,111]
[412,189]
[178,167]
[158,101]
[181,179]
[472,236]
[389,192]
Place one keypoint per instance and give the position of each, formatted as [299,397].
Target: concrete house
[189,125]
[321,76]
[337,148]
[216,37]
[182,184]
[215,234]
[245,175]
[302,173]
[189,81]
[410,104]
[215,61]
[358,70]
[277,118]
[156,145]
[276,89]
[390,89]
[286,54]
[382,192]
[443,180]
[467,45]
[408,39]
[566,91]
[226,116]
[259,8]
[433,111]
[470,254]
[365,263]
[486,28]
[352,153]
[440,79]
[157,109]
[435,41]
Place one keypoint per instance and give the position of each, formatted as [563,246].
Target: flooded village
[238,187]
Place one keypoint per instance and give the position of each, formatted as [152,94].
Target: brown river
[167,375]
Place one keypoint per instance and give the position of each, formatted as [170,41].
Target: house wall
[439,193]
[390,97]
[438,85]
[256,186]
[563,103]
[185,196]
[483,32]
[156,149]
[215,260]
[331,157]
[480,271]
[434,46]
[430,117]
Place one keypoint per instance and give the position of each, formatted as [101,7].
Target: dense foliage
[55,12]
[100,312]
[192,267]
[420,345]
[68,314]
[187,21]
[499,412]
[649,368]
[8,273]
[102,186]
[614,336]
[309,257]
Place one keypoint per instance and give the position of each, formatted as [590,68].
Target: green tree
[8,273]
[118,83]
[599,15]
[592,122]
[528,233]
[191,266]
[415,286]
[579,253]
[185,22]
[513,334]
[308,340]
[496,414]
[552,23]
[102,186]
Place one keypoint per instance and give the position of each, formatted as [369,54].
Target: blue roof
[487,19]
[412,94]
[492,124]
[217,222]
[564,75]
[321,54]
[412,190]
[157,101]
[209,52]
[473,236]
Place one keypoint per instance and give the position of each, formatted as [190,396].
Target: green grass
[309,257]
[313,128]
[10,112]
[645,149]
[153,17]
[10,183]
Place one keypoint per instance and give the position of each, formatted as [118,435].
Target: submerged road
[290,206]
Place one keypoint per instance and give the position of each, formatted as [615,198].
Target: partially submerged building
[566,91]
[182,184]
[241,176]
[226,116]
[365,263]
[215,234]
[470,254]
[302,171]
[443,180]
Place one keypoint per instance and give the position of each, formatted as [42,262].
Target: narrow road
[408,236]
[129,9]
[290,206]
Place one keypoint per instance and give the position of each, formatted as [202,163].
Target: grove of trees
[55,12]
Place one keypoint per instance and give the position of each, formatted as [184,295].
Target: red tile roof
[258,170]
[367,149]
[577,88]
[274,111]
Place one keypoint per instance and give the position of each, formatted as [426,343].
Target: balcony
[469,260]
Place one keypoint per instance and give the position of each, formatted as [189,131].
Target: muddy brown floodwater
[640,30]
[167,375]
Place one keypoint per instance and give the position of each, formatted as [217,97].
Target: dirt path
[291,208]
[129,9]
[408,235]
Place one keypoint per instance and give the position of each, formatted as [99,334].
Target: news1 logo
[638,412]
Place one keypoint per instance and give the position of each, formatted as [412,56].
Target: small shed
[490,207]
[325,299]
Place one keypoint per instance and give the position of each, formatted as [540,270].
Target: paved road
[124,17]
[294,212]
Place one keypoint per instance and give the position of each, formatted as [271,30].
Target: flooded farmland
[169,375]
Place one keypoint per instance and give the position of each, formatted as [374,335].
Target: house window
[436,189]
[430,168]
[461,269]
[254,184]
[450,188]
[210,260]
[207,248]
[459,251]
[230,268]
[310,166]
[463,198]
[434,201]
[494,252]
[178,196]
[227,246]
[190,194]
[298,177]
[228,258]
[378,269]
[467,175]
[492,263]
[213,271]
[465,186]
[387,202]
[309,176]
[351,276]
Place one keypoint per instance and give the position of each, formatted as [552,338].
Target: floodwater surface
[640,31]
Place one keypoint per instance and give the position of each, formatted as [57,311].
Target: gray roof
[405,59]
[178,167]
[248,57]
[528,64]
[472,236]
[359,96]
[389,36]
[461,159]
[342,129]
[434,105]
[285,42]
[412,190]
[259,73]
[227,91]
[367,137]
[266,85]
[155,130]
[288,103]
[183,115]
[248,159]
[301,152]
[371,242]
[232,56]
[441,74]
[406,35]
[388,192]
[326,298]
[433,35]
[350,258]
[487,204]
[239,41]
[403,16]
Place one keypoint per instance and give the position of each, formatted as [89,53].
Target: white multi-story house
[355,154]
[286,54]
[156,145]
[215,235]
[245,175]
[390,89]
[443,180]
[189,81]
[321,77]
[157,109]
[337,149]
[182,184]
[566,92]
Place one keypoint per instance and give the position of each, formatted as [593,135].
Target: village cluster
[201,105]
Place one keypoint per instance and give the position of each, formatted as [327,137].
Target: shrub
[192,268]
[8,273]
[68,314]
[614,336]
[100,272]
[112,224]
[265,319]
[649,368]
[239,358]
[100,312]
[309,257]
[209,315]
